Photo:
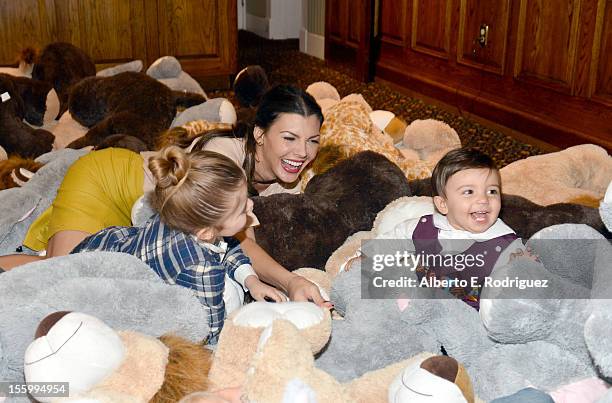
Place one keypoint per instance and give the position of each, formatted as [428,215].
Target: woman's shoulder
[231,147]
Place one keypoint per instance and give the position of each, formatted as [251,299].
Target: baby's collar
[496,230]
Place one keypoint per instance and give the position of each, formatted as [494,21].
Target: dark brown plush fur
[33,96]
[128,103]
[61,65]
[16,137]
[186,372]
[526,218]
[304,230]
[122,141]
[12,165]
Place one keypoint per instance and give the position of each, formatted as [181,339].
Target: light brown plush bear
[578,174]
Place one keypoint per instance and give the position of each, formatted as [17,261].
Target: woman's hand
[300,289]
[261,291]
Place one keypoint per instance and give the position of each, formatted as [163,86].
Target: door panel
[496,15]
[547,41]
[431,27]
[200,33]
[602,71]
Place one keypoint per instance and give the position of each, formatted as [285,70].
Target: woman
[100,189]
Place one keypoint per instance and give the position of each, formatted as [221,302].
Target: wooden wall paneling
[393,22]
[112,31]
[22,24]
[584,53]
[64,21]
[354,28]
[200,33]
[600,83]
[547,43]
[431,21]
[473,13]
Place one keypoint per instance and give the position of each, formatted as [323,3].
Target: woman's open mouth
[291,166]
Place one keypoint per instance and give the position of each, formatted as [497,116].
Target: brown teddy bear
[62,65]
[21,98]
[128,103]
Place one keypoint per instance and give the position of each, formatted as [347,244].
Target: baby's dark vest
[425,238]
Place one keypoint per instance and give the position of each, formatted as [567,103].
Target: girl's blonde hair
[194,190]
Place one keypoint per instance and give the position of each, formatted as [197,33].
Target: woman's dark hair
[457,160]
[278,100]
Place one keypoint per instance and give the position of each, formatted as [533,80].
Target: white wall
[283,20]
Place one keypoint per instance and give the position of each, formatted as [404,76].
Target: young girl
[199,198]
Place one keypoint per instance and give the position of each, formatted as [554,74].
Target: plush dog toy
[127,103]
[17,137]
[62,65]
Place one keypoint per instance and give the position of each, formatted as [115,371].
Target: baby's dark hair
[194,190]
[455,161]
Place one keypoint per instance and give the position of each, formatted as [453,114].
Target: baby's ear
[206,234]
[440,203]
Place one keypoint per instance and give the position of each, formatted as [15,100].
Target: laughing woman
[100,189]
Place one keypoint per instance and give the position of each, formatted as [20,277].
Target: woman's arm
[269,270]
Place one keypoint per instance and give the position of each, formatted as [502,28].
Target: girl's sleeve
[237,264]
[208,282]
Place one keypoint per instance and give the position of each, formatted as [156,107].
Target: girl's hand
[300,289]
[260,290]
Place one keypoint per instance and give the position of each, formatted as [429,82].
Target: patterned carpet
[285,64]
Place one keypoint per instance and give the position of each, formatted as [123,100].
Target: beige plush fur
[348,126]
[429,140]
[578,174]
[238,344]
[283,357]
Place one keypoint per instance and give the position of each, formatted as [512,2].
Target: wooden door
[348,36]
[202,34]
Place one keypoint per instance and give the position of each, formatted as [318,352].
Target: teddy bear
[61,65]
[428,140]
[18,97]
[104,106]
[578,174]
[335,204]
[350,126]
[347,130]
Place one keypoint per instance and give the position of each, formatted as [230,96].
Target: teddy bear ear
[250,84]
